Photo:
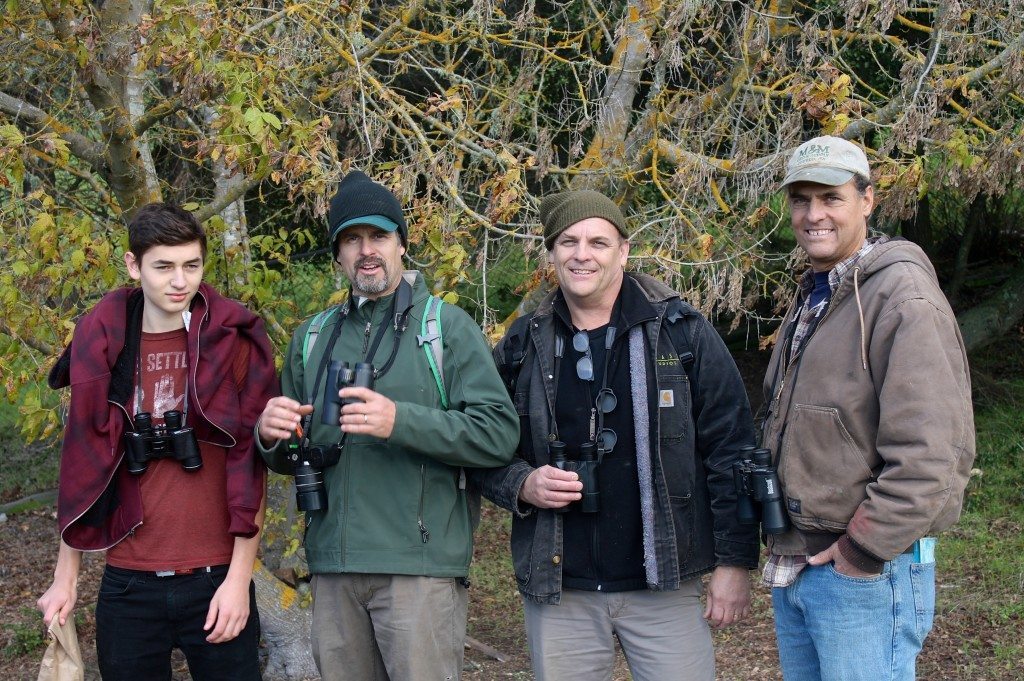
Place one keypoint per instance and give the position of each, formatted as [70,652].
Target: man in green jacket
[389,537]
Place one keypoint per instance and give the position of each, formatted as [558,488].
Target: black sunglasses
[585,364]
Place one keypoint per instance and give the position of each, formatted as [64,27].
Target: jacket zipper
[105,485]
[195,373]
[424,533]
[366,335]
[777,402]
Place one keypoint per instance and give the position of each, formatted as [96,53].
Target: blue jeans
[839,628]
[140,618]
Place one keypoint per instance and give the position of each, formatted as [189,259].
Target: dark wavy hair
[163,224]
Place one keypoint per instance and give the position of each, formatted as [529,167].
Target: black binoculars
[759,495]
[341,375]
[171,440]
[585,467]
[309,461]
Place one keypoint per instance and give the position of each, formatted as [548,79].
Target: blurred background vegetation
[248,113]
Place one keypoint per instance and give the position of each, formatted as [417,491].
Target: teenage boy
[180,522]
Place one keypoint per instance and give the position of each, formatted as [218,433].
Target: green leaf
[9,134]
[273,120]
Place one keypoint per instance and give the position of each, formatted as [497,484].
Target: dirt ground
[962,646]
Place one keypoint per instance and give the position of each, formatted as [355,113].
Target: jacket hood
[886,254]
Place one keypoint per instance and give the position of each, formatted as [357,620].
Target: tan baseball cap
[826,160]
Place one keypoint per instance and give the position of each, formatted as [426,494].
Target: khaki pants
[388,627]
[663,635]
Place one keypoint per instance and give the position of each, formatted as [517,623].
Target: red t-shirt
[184,513]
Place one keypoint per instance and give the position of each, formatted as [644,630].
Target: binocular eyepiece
[585,467]
[341,375]
[759,495]
[171,440]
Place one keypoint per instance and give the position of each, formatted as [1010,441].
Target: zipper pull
[366,335]
[424,534]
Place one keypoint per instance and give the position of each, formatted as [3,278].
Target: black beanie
[357,197]
[559,212]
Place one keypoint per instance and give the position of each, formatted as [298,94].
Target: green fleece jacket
[398,506]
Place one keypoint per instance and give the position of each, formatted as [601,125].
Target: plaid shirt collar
[838,273]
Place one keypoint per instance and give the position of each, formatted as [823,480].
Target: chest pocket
[672,397]
[676,430]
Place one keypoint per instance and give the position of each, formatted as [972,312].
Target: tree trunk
[607,148]
[285,627]
[995,316]
[975,218]
[919,228]
[228,181]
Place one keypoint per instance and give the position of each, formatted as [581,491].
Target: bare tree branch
[81,146]
[33,342]
[155,115]
[235,193]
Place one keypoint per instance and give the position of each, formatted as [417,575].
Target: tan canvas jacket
[870,423]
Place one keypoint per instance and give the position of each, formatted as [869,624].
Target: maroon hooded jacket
[98,501]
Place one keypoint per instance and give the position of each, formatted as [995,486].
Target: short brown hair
[163,224]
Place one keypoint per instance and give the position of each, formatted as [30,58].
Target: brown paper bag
[62,660]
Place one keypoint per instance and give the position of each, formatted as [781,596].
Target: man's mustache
[370,260]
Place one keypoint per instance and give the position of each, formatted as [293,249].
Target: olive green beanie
[560,211]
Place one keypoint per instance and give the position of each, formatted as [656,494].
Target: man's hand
[843,566]
[550,487]
[280,418]
[728,596]
[373,414]
[229,611]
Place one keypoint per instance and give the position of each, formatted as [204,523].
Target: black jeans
[140,618]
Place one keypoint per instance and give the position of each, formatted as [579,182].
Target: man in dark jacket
[391,542]
[631,414]
[870,423]
[179,514]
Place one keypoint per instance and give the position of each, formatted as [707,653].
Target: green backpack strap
[313,330]
[430,339]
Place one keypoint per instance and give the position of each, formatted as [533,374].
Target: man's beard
[368,283]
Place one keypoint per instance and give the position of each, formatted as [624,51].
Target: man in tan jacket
[870,423]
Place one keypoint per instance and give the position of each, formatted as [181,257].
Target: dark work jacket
[694,444]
